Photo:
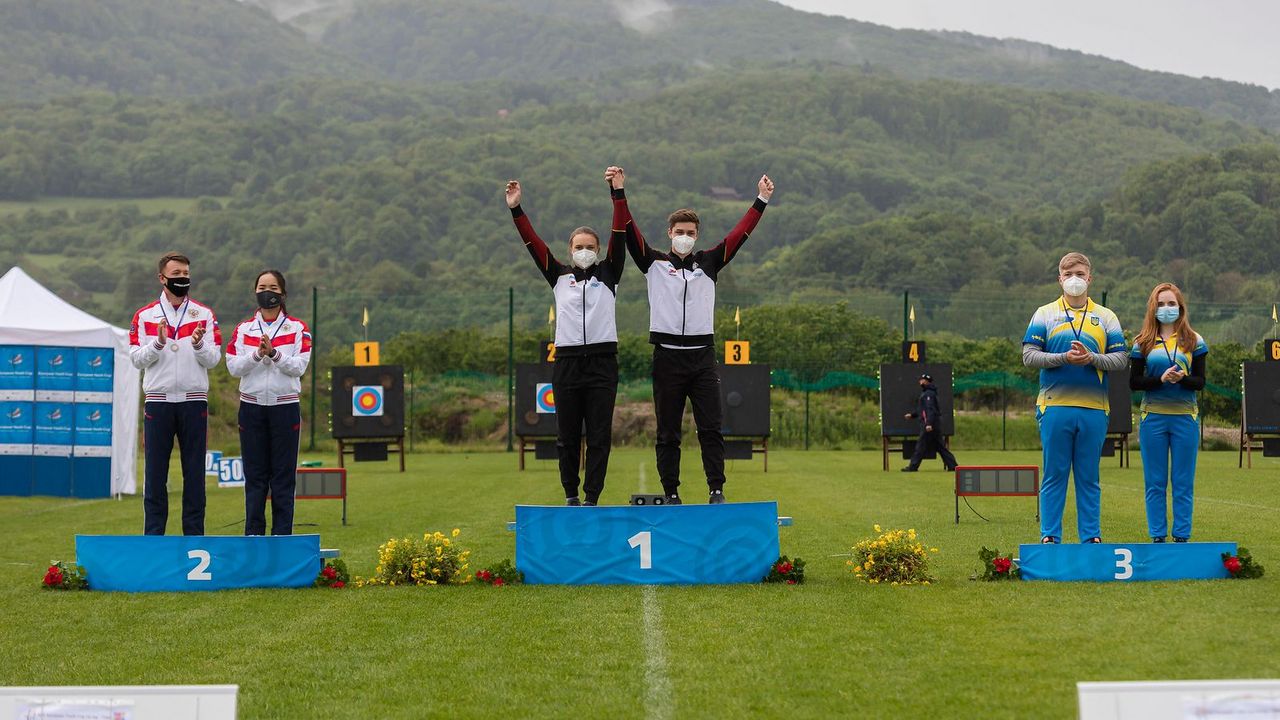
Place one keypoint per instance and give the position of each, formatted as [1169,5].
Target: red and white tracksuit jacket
[169,375]
[270,380]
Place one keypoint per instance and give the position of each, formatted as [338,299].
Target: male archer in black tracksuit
[682,303]
[585,375]
[930,417]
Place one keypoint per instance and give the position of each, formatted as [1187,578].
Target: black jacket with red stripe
[585,320]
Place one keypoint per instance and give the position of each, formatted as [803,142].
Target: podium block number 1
[200,571]
[644,541]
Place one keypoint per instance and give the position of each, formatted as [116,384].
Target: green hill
[50,48]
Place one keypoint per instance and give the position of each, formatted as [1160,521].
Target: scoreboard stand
[997,481]
[370,449]
[1260,406]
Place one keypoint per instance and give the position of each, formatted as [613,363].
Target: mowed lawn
[832,647]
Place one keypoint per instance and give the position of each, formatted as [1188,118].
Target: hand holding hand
[264,347]
[1172,375]
[765,186]
[615,176]
[198,335]
[513,193]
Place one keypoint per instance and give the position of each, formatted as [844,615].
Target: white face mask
[682,244]
[1075,286]
[584,258]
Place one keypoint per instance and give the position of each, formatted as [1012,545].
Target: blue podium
[175,563]
[1108,562]
[646,545]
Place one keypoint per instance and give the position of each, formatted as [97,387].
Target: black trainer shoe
[1157,540]
[573,501]
[717,497]
[1180,540]
[589,503]
[672,499]
[909,469]
[1093,541]
[1048,540]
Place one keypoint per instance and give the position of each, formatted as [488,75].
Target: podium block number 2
[1124,563]
[644,541]
[200,571]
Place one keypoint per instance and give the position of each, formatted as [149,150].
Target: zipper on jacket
[584,312]
[684,305]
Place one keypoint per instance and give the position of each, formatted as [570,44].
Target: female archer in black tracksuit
[585,376]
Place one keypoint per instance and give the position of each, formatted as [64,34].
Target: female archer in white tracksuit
[269,352]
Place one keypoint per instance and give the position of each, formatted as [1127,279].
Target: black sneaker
[672,499]
[1048,540]
[1157,540]
[573,501]
[717,497]
[589,503]
[909,469]
[1180,540]
[1093,541]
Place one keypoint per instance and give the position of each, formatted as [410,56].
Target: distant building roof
[724,193]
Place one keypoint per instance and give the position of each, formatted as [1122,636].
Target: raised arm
[616,256]
[728,248]
[550,268]
[641,253]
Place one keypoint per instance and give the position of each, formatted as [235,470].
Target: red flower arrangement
[996,566]
[1241,565]
[333,574]
[786,570]
[504,573]
[60,577]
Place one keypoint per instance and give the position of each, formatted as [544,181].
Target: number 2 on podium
[643,540]
[200,571]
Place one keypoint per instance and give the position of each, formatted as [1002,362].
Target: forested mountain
[884,185]
[425,41]
[50,48]
[168,48]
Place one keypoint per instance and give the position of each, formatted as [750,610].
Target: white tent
[32,315]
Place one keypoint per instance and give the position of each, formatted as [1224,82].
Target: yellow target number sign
[367,353]
[737,352]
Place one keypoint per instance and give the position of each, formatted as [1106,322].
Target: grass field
[832,647]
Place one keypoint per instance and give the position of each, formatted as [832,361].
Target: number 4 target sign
[366,401]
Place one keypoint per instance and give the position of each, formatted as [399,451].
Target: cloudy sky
[1232,39]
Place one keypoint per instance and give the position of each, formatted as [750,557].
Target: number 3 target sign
[545,399]
[366,401]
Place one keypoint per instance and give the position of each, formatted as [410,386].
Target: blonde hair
[1074,258]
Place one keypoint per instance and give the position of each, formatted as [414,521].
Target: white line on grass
[657,685]
[1200,498]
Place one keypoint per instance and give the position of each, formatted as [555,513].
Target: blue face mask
[1167,314]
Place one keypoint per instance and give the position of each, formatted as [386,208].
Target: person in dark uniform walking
[269,352]
[682,302]
[585,375]
[929,413]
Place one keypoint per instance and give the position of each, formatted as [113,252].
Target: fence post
[315,328]
[511,367]
[806,418]
[906,297]
[1004,410]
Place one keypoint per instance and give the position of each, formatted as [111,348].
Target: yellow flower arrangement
[895,557]
[434,560]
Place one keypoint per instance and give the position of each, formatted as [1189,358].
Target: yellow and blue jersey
[1169,398]
[1052,329]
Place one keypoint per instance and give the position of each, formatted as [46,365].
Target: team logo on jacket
[595,283]
[366,401]
[194,312]
[697,273]
[1094,320]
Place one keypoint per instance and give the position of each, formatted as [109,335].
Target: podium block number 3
[644,541]
[1124,563]
[200,571]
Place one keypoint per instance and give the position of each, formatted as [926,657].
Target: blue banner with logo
[647,545]
[55,373]
[95,374]
[1112,562]
[93,426]
[54,427]
[17,372]
[17,432]
[176,563]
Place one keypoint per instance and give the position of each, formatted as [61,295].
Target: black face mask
[268,299]
[179,286]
